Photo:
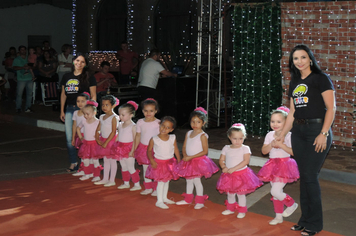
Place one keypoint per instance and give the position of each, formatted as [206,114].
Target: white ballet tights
[198,186]
[110,167]
[277,190]
[128,164]
[241,199]
[162,191]
[87,162]
[144,173]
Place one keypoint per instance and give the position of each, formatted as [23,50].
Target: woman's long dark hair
[295,73]
[84,76]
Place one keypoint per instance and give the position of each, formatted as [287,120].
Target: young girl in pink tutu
[280,169]
[237,178]
[146,128]
[195,163]
[87,150]
[78,118]
[108,130]
[161,169]
[123,148]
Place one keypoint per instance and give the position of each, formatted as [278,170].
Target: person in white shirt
[150,72]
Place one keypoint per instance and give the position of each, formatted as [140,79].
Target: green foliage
[257,73]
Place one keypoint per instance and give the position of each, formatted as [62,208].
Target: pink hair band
[150,99]
[93,103]
[87,94]
[283,108]
[201,110]
[134,104]
[238,125]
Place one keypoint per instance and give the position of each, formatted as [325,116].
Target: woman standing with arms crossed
[73,84]
[312,111]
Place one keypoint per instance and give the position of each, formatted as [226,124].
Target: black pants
[309,165]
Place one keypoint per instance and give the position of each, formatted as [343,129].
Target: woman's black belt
[308,121]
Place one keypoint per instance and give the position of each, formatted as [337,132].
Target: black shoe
[29,110]
[18,110]
[297,228]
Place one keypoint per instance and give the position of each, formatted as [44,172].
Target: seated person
[47,67]
[47,72]
[104,80]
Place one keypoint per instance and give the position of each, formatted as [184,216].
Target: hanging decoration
[257,82]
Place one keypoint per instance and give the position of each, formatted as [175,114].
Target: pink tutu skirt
[77,141]
[283,170]
[105,152]
[241,182]
[88,149]
[121,150]
[141,155]
[164,171]
[196,167]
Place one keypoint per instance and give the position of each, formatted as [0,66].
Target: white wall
[40,19]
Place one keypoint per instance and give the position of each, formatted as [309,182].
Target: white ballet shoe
[169,201]
[91,175]
[161,205]
[109,184]
[95,179]
[123,186]
[80,173]
[101,182]
[182,202]
[198,206]
[154,194]
[276,221]
[241,215]
[146,191]
[135,188]
[84,177]
[290,210]
[227,212]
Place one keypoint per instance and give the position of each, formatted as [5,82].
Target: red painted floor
[64,205]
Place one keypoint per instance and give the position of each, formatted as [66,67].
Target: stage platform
[63,205]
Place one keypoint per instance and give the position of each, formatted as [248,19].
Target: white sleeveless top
[78,119]
[125,134]
[194,145]
[164,150]
[278,152]
[235,156]
[106,125]
[147,130]
[89,129]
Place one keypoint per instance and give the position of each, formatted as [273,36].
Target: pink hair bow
[238,125]
[93,103]
[283,108]
[201,109]
[87,94]
[134,104]
[117,101]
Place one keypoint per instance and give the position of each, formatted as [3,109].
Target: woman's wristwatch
[326,134]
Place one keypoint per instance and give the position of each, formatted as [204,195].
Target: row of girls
[154,147]
[150,143]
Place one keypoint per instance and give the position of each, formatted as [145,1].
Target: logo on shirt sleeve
[72,85]
[298,93]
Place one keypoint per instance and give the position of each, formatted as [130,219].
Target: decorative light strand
[74,27]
